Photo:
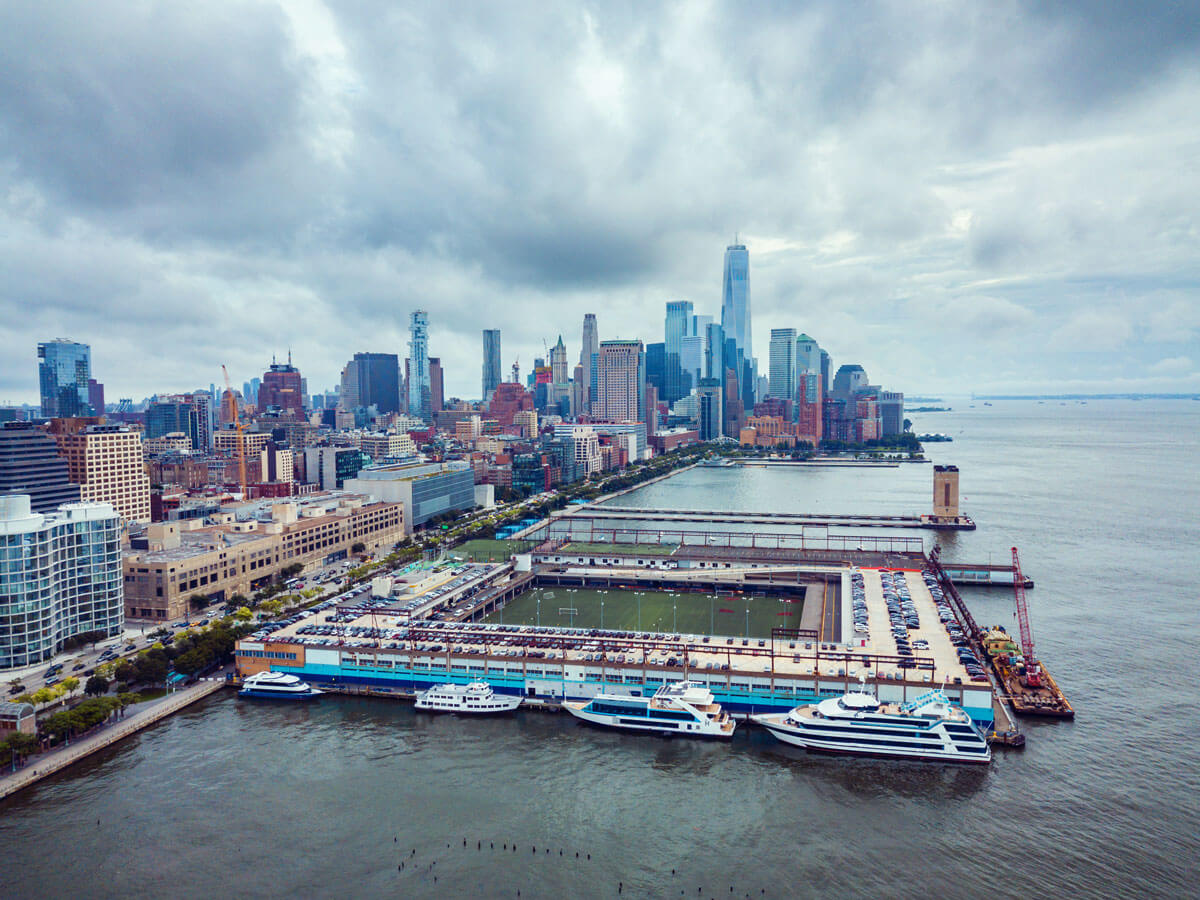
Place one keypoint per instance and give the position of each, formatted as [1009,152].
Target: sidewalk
[137,717]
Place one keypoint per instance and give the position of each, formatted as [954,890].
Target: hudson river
[330,798]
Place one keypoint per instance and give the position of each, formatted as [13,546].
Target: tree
[908,424]
[96,685]
[358,547]
[70,684]
[198,602]
[41,695]
[124,671]
[243,614]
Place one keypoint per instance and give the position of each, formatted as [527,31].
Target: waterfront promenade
[137,717]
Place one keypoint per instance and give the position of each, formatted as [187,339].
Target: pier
[725,516]
[982,575]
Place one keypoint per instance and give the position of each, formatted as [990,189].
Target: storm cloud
[959,197]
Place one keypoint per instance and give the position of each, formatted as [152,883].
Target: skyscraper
[709,412]
[808,355]
[174,413]
[587,358]
[782,371]
[30,464]
[371,379]
[419,388]
[558,363]
[735,298]
[491,361]
[63,373]
[106,462]
[678,321]
[282,387]
[437,385]
[621,382]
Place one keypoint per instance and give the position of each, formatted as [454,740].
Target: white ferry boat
[476,697]
[682,707]
[857,723]
[277,686]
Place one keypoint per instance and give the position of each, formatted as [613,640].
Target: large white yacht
[929,727]
[681,707]
[476,697]
[277,686]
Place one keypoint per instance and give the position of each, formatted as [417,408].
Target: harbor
[403,644]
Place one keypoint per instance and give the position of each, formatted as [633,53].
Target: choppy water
[260,800]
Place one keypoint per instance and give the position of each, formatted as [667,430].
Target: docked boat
[682,707]
[277,686]
[477,698]
[929,727]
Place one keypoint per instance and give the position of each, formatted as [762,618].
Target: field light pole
[747,621]
[674,626]
[639,602]
[539,611]
[711,620]
[601,613]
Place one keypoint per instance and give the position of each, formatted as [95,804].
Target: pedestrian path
[137,717]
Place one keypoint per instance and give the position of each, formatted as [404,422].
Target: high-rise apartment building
[60,575]
[106,462]
[782,365]
[621,382]
[735,298]
[202,400]
[588,354]
[491,361]
[30,464]
[419,388]
[64,369]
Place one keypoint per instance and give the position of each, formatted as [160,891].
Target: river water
[329,799]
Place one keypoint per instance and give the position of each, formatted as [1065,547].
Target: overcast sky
[958,196]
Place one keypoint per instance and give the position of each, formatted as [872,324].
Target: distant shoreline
[1192,396]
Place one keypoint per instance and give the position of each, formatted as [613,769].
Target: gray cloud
[187,186]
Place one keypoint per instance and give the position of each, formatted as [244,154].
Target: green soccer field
[620,610]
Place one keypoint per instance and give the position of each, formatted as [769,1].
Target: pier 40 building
[60,575]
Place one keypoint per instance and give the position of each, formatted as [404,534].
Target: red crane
[1032,675]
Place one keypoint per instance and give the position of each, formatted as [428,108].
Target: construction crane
[241,438]
[1033,675]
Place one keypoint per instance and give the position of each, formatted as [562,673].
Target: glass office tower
[63,373]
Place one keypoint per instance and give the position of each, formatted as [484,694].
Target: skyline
[1000,206]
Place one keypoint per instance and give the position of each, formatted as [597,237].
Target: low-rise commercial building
[241,550]
[424,489]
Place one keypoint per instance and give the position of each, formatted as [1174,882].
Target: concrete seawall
[141,716]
